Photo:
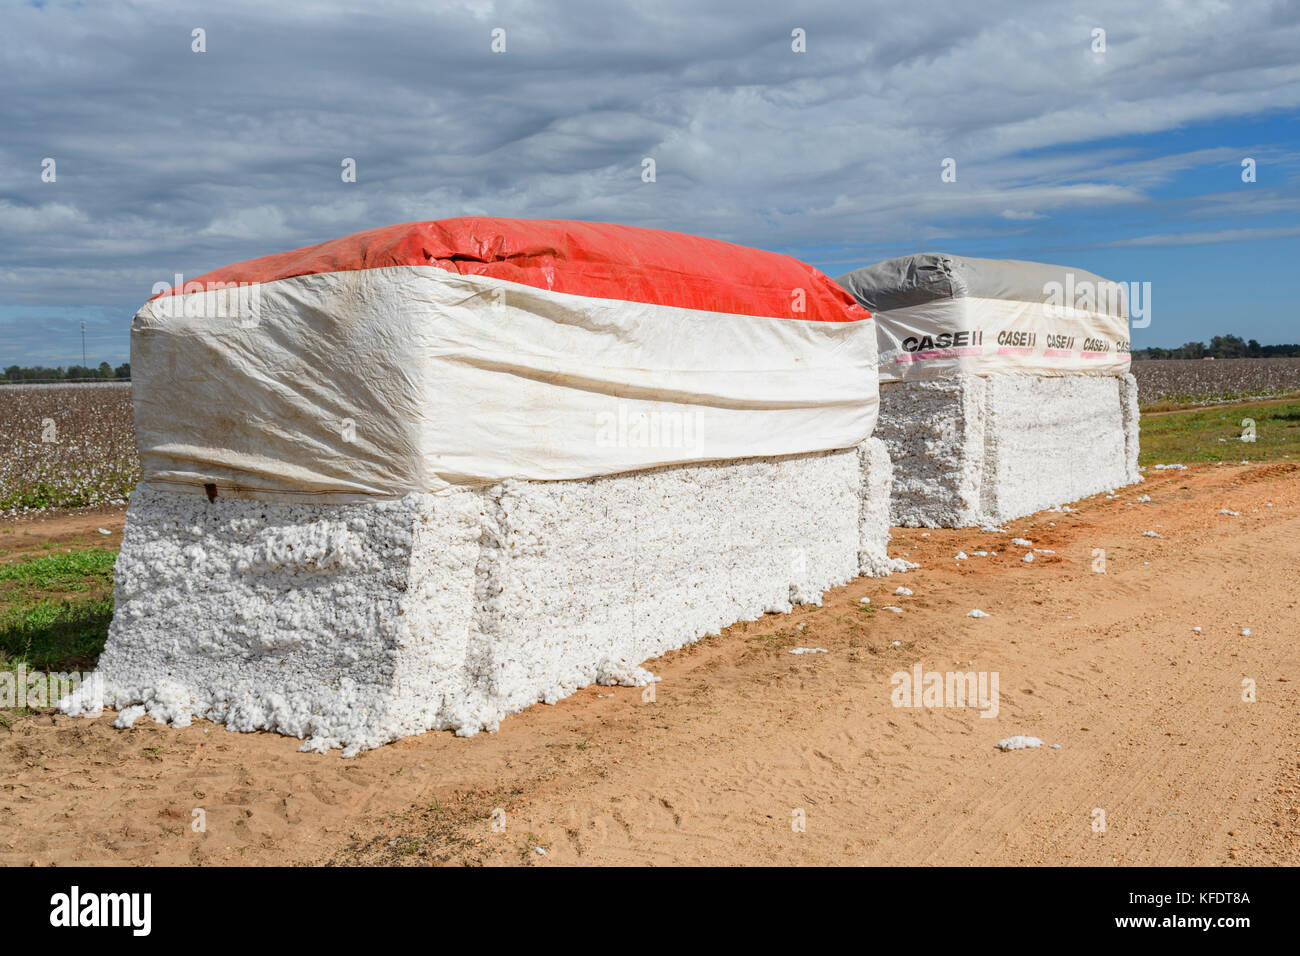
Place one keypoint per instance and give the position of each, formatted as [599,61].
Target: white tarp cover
[938,315]
[470,351]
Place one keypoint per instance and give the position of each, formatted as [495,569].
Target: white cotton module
[809,650]
[1022,542]
[996,399]
[440,472]
[1018,743]
[1150,534]
[980,450]
[977,613]
[1028,558]
[905,592]
[352,625]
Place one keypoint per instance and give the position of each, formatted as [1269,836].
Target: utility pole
[83,344]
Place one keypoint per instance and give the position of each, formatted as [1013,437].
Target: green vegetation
[1220,347]
[55,610]
[43,494]
[74,571]
[73,373]
[1214,434]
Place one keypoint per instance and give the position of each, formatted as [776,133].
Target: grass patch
[50,635]
[1194,435]
[55,610]
[72,571]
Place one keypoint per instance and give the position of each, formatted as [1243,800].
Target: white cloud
[49,215]
[258,222]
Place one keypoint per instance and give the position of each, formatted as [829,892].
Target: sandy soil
[743,736]
[23,538]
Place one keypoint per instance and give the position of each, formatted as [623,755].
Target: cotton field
[66,446]
[1213,380]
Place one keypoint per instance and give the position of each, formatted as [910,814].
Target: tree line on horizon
[73,373]
[1220,347]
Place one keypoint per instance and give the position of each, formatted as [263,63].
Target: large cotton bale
[425,476]
[1005,386]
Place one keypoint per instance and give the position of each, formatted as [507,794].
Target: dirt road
[745,740]
[25,538]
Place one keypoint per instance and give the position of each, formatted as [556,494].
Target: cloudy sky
[1126,162]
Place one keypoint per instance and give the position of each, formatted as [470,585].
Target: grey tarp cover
[926,276]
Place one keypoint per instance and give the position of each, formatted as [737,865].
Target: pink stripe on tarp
[941,353]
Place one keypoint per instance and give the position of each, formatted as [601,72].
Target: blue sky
[1126,163]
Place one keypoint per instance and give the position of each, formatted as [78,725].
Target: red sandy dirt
[741,735]
[26,538]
